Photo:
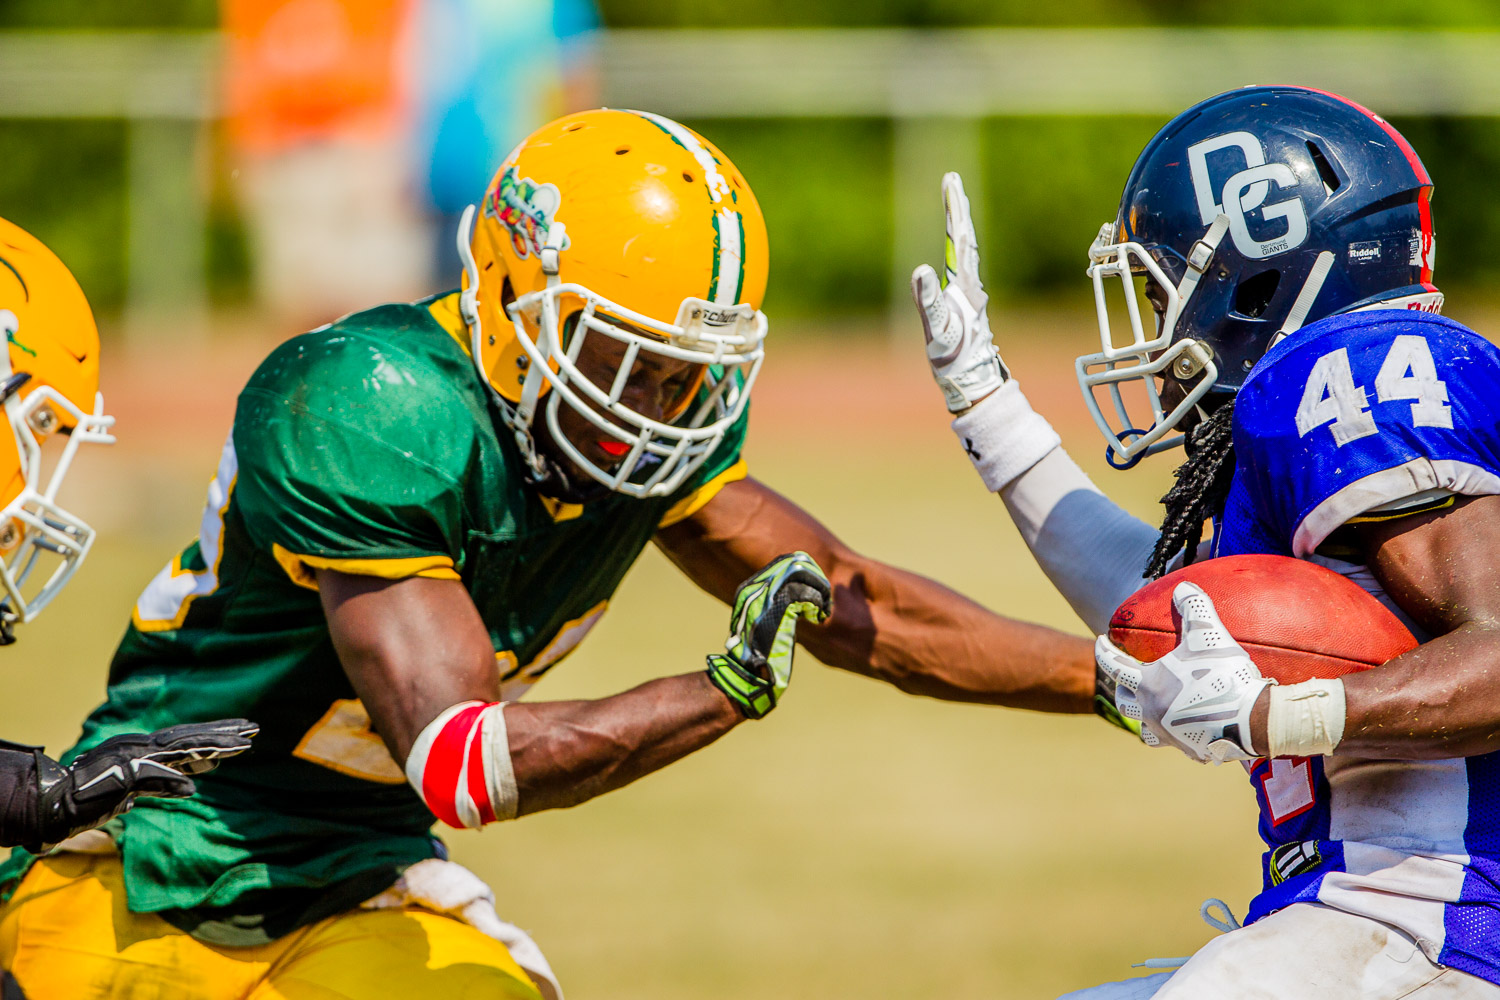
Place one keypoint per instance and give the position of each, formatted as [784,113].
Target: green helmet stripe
[726,283]
[739,285]
[713,278]
[25,292]
[717,185]
[728,279]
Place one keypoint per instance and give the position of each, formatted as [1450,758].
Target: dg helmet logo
[1244,191]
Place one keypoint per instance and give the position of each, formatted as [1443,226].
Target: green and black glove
[756,666]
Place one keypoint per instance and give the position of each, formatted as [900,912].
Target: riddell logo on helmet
[1244,191]
[526,209]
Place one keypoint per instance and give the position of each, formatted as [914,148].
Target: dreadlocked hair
[1200,491]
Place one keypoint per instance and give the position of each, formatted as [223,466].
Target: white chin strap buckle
[557,238]
[1200,256]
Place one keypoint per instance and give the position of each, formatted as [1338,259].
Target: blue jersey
[1354,413]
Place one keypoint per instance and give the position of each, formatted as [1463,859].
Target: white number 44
[1331,395]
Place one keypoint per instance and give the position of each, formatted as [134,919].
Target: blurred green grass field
[859,842]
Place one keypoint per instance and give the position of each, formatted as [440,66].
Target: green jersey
[369,446]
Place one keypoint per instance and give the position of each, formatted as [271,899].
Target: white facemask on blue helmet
[1246,217]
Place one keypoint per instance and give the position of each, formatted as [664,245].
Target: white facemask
[45,544]
[659,456]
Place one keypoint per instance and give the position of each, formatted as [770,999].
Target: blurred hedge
[825,185]
[1050,182]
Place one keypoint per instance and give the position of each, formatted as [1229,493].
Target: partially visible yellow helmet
[627,225]
[49,381]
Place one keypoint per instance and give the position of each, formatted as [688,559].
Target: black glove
[43,803]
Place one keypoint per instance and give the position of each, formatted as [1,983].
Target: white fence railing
[1037,71]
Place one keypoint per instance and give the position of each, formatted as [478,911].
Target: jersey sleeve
[722,467]
[348,461]
[1372,409]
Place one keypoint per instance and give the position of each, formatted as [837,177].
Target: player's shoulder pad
[389,374]
[1364,409]
[1466,363]
[1362,330]
[370,352]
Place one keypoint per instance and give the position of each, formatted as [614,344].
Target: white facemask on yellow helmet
[625,225]
[49,378]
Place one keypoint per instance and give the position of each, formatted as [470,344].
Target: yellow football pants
[67,935]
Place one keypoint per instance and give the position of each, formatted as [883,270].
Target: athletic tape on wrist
[1305,720]
[1003,436]
[460,765]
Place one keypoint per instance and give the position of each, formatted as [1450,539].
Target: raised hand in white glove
[1198,697]
[960,347]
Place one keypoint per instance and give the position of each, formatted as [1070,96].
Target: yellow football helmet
[49,381]
[630,226]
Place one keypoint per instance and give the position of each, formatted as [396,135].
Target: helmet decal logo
[1245,191]
[1423,247]
[526,209]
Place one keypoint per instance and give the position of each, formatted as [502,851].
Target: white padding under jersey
[1305,950]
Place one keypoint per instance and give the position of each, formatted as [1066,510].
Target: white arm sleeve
[1092,550]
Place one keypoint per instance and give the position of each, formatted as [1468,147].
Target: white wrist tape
[461,766]
[1003,436]
[1305,720]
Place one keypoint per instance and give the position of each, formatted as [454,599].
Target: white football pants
[1304,952]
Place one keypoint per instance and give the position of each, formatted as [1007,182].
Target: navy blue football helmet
[1247,216]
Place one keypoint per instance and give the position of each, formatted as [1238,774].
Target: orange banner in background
[305,70]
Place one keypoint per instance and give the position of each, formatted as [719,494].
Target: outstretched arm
[419,657]
[43,803]
[887,623]
[1091,549]
[416,648]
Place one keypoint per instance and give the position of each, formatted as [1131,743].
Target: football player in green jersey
[49,382]
[419,511]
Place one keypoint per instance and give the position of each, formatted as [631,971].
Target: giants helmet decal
[1247,216]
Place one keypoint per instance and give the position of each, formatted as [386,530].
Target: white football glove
[1198,697]
[960,347]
